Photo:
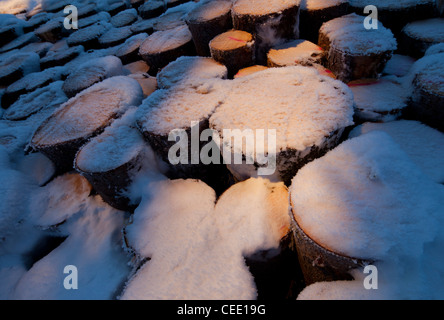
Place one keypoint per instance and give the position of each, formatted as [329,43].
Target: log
[300,135]
[60,57]
[396,14]
[117,7]
[354,52]
[146,82]
[175,3]
[235,49]
[52,31]
[46,98]
[136,67]
[190,71]
[36,21]
[54,6]
[87,10]
[124,18]
[152,9]
[88,37]
[319,264]
[13,67]
[427,101]
[115,36]
[314,13]
[90,73]
[30,83]
[180,108]
[129,51]
[111,160]
[86,116]
[418,36]
[270,22]
[20,42]
[41,48]
[99,17]
[297,52]
[249,70]
[207,21]
[378,100]
[143,26]
[162,47]
[169,20]
[136,3]
[7,34]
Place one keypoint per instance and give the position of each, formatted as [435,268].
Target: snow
[430,30]
[367,199]
[262,7]
[379,100]
[302,106]
[348,34]
[399,65]
[26,62]
[117,145]
[390,4]
[124,18]
[166,110]
[435,49]
[94,247]
[36,80]
[82,115]
[209,10]
[59,200]
[92,71]
[421,143]
[47,98]
[190,70]
[296,52]
[320,4]
[162,41]
[204,259]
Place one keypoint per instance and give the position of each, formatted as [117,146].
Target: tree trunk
[205,24]
[235,49]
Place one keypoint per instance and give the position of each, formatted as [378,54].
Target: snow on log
[151,9]
[162,47]
[16,65]
[84,116]
[354,52]
[137,3]
[129,51]
[185,111]
[88,37]
[419,141]
[208,20]
[189,71]
[418,36]
[111,160]
[427,101]
[52,31]
[296,52]
[20,42]
[249,70]
[395,14]
[314,13]
[235,49]
[361,203]
[45,98]
[399,65]
[60,57]
[307,112]
[30,83]
[89,21]
[378,100]
[143,26]
[37,20]
[115,36]
[205,258]
[270,22]
[116,7]
[124,18]
[9,33]
[90,73]
[41,48]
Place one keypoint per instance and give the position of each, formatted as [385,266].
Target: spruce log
[270,22]
[115,36]
[88,37]
[151,9]
[354,52]
[52,31]
[296,52]
[314,13]
[16,66]
[207,21]
[249,70]
[235,49]
[162,47]
[85,116]
[60,57]
[129,51]
[418,36]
